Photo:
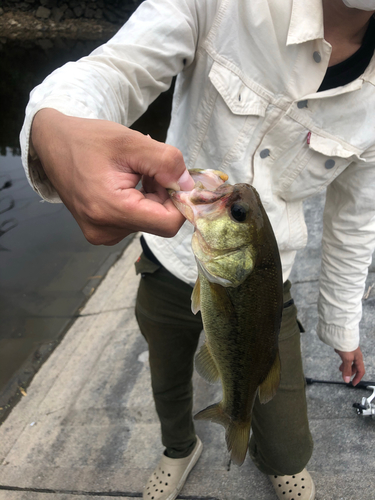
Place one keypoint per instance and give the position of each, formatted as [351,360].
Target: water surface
[47,268]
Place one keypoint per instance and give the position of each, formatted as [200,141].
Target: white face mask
[360,4]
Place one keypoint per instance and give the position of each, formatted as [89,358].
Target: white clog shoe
[169,476]
[297,487]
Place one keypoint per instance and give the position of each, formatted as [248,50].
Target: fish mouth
[209,179]
[203,199]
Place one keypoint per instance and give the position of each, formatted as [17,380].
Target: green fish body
[239,292]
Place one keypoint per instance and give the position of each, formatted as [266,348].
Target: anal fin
[268,387]
[205,365]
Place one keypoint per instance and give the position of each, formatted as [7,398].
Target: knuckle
[94,237]
[93,214]
[169,230]
[97,235]
[169,233]
[112,242]
[172,156]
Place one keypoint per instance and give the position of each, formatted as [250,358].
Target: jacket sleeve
[347,246]
[121,78]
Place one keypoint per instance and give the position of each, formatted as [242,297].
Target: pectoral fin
[196,297]
[269,386]
[205,365]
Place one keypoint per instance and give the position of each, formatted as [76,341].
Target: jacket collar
[369,74]
[306,22]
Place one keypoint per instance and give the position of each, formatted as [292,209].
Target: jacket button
[329,164]
[317,57]
[302,104]
[264,153]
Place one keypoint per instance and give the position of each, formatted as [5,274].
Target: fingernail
[186,182]
[346,380]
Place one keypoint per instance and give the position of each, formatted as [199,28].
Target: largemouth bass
[239,292]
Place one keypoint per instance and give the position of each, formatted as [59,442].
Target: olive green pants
[280,442]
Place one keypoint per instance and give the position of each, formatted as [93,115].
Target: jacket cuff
[339,338]
[33,168]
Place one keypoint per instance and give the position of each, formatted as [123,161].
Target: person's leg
[163,311]
[281,442]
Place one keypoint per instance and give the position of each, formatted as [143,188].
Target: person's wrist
[43,122]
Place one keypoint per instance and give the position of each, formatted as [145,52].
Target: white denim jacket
[246,103]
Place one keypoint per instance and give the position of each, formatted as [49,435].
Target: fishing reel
[367,405]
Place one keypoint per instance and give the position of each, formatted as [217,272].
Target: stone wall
[113,11]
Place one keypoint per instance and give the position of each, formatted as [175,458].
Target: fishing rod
[363,384]
[366,406]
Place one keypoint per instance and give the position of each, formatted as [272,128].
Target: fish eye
[238,212]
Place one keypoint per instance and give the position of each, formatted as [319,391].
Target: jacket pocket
[322,160]
[237,96]
[235,112]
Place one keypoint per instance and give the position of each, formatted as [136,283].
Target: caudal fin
[237,438]
[237,433]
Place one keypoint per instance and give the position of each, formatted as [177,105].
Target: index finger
[144,214]
[359,369]
[160,161]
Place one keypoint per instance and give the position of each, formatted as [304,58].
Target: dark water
[47,268]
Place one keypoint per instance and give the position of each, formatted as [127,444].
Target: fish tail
[237,438]
[236,435]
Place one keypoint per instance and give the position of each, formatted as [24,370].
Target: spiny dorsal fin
[196,297]
[269,386]
[205,365]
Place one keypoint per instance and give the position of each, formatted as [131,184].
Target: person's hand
[95,166]
[352,364]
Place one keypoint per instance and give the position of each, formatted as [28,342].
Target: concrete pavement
[88,429]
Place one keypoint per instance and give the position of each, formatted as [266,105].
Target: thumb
[347,372]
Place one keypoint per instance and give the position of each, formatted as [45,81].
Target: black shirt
[353,67]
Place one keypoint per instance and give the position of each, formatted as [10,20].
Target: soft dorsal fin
[196,297]
[268,387]
[205,365]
